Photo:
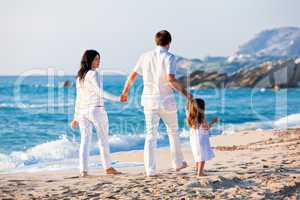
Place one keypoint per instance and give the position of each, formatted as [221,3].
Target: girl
[199,139]
[90,112]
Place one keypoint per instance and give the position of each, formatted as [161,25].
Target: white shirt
[154,66]
[89,92]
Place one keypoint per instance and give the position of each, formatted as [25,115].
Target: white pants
[152,118]
[89,118]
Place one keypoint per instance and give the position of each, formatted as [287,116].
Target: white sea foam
[288,121]
[292,120]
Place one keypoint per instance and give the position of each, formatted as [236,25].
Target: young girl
[199,138]
[90,112]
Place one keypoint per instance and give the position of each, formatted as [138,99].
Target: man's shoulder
[148,53]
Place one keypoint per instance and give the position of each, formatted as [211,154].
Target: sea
[35,112]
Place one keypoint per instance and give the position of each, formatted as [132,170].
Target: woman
[90,112]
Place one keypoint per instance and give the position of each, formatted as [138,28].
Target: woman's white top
[201,149]
[89,92]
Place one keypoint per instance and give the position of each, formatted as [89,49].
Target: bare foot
[83,174]
[112,171]
[184,165]
[152,175]
[201,174]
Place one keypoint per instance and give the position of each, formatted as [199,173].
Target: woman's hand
[124,97]
[74,124]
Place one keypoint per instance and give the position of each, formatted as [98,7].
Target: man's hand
[130,80]
[124,97]
[74,124]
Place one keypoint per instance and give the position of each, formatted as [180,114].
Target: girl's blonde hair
[195,112]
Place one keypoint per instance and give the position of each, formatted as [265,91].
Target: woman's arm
[74,122]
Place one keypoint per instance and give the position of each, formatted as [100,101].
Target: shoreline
[216,141]
[252,165]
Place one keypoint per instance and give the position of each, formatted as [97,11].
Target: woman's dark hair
[163,38]
[86,63]
[196,112]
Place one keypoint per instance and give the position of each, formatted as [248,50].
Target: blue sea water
[35,113]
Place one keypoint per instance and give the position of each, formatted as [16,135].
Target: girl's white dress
[200,144]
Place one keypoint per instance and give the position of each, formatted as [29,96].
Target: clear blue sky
[36,34]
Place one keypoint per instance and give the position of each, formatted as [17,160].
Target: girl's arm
[212,122]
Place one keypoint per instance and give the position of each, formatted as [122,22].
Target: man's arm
[175,84]
[130,80]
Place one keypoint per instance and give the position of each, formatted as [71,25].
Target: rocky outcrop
[267,75]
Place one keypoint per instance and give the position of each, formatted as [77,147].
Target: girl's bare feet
[112,171]
[83,174]
[201,174]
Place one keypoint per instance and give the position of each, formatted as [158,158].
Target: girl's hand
[214,120]
[74,124]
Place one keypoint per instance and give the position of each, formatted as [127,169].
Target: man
[158,68]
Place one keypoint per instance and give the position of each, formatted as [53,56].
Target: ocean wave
[36,86]
[47,152]
[288,121]
[292,120]
[55,153]
[28,106]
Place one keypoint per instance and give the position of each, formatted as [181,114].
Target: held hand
[189,96]
[74,124]
[124,97]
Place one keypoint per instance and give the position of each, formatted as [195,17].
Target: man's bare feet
[184,165]
[83,174]
[112,171]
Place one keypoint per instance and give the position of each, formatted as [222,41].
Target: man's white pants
[89,118]
[152,118]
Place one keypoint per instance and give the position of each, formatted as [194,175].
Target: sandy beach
[248,165]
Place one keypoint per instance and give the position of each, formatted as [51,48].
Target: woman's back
[89,91]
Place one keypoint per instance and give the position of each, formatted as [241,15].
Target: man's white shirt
[154,66]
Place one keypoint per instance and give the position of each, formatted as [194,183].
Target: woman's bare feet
[83,174]
[112,171]
[184,165]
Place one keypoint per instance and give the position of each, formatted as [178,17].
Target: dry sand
[248,165]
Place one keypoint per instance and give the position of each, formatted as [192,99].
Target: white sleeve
[96,81]
[138,66]
[76,113]
[171,65]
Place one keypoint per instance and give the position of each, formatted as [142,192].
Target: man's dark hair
[163,38]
